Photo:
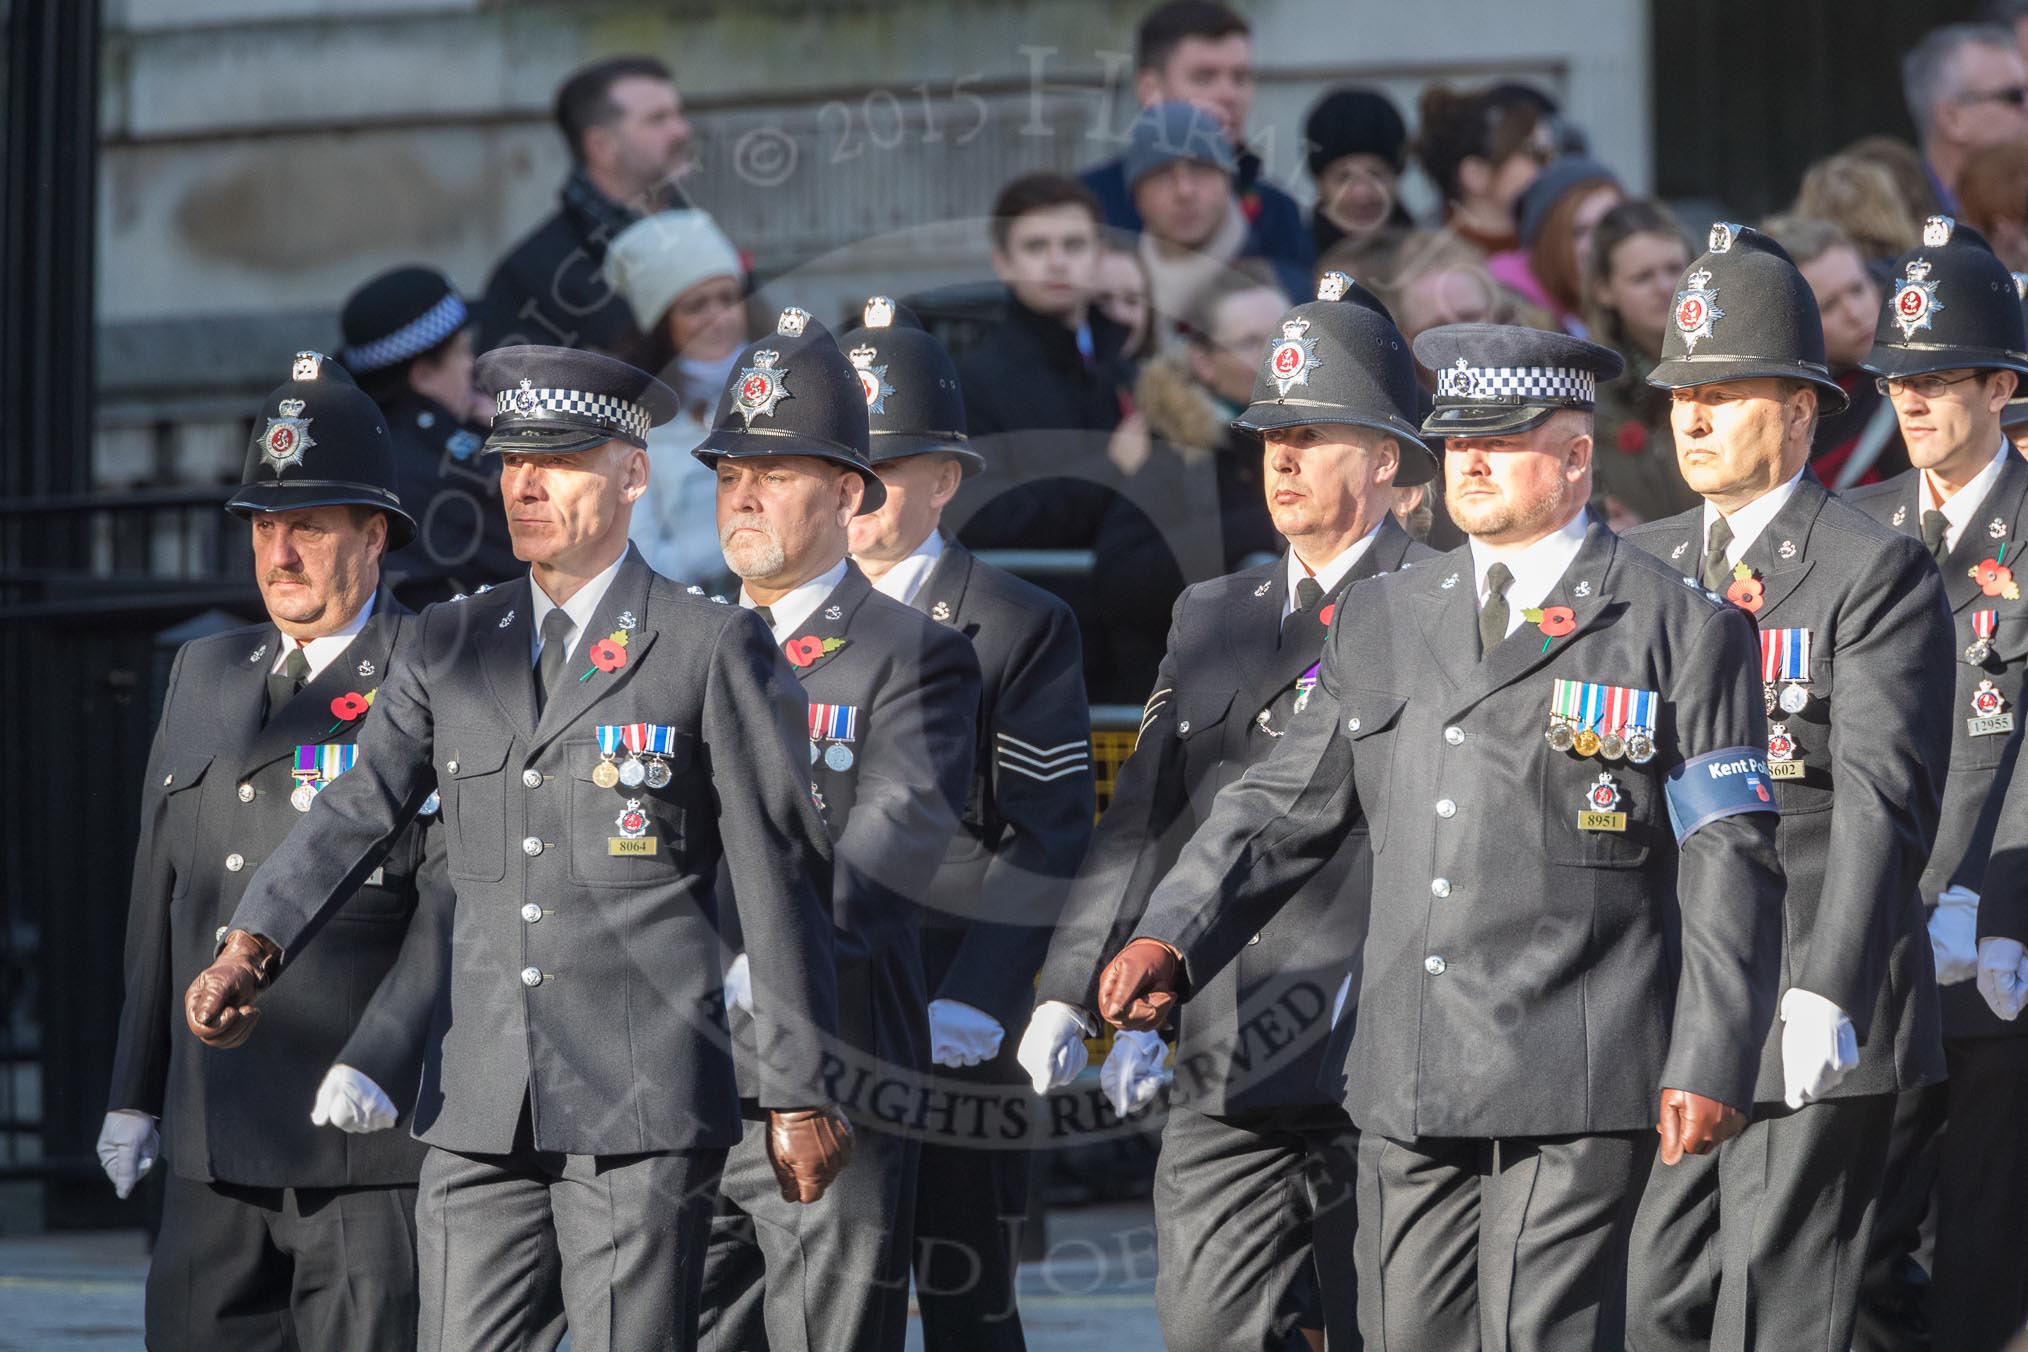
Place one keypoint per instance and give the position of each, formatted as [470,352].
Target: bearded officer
[1949,355]
[273,1230]
[601,741]
[893,712]
[1241,1241]
[1558,748]
[1762,1245]
[1026,823]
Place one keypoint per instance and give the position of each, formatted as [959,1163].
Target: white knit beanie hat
[659,257]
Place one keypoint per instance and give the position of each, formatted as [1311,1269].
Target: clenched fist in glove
[1692,1124]
[808,1147]
[352,1102]
[1133,1073]
[1138,987]
[1052,1051]
[128,1145]
[219,1004]
[2003,976]
[961,1035]
[1819,1047]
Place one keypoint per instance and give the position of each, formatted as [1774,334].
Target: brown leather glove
[1138,987]
[809,1147]
[219,1004]
[1692,1124]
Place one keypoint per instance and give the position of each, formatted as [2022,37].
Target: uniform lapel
[1298,651]
[830,620]
[942,594]
[1780,554]
[1253,630]
[583,684]
[1978,542]
[505,649]
[242,691]
[309,718]
[1447,612]
[1527,647]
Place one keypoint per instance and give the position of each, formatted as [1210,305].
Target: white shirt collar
[322,652]
[904,581]
[1964,504]
[791,610]
[1749,521]
[584,602]
[1536,569]
[1330,575]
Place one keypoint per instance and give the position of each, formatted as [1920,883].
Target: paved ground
[1095,1291]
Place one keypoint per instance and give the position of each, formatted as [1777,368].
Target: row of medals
[633,772]
[1636,745]
[1791,698]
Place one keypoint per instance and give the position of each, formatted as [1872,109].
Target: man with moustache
[601,742]
[893,713]
[1558,751]
[1949,353]
[272,1229]
[1761,1246]
[1027,816]
[1250,1132]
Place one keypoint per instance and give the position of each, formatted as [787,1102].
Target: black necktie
[1308,593]
[1935,527]
[1493,615]
[556,627]
[767,616]
[283,684]
[1717,574]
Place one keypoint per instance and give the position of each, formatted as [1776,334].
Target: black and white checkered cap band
[1517,384]
[575,406]
[412,339]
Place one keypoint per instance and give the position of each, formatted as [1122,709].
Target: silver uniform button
[218,937]
[1433,964]
[532,778]
[1446,808]
[234,863]
[532,846]
[452,766]
[531,976]
[1455,735]
[1440,887]
[246,793]
[1351,725]
[1184,726]
[531,913]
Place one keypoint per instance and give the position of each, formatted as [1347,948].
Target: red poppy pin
[608,654]
[1997,579]
[807,649]
[1553,621]
[1324,615]
[1746,591]
[350,707]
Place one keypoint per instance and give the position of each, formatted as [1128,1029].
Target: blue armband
[1718,784]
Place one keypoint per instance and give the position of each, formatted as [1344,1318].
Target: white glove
[1052,1050]
[1953,936]
[1819,1047]
[961,1035]
[1133,1073]
[1344,994]
[2003,976]
[128,1145]
[739,985]
[351,1102]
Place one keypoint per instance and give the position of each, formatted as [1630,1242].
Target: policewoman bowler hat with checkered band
[1497,379]
[557,400]
[397,317]
[794,393]
[1340,359]
[913,404]
[1744,312]
[319,441]
[1951,305]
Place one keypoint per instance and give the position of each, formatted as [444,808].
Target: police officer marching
[1249,1126]
[272,1226]
[1559,752]
[1950,352]
[892,721]
[1027,818]
[1761,1246]
[602,741]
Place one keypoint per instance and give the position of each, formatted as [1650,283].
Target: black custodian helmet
[794,393]
[1745,312]
[913,403]
[1953,306]
[320,442]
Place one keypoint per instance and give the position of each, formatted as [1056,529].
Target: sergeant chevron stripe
[1042,762]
